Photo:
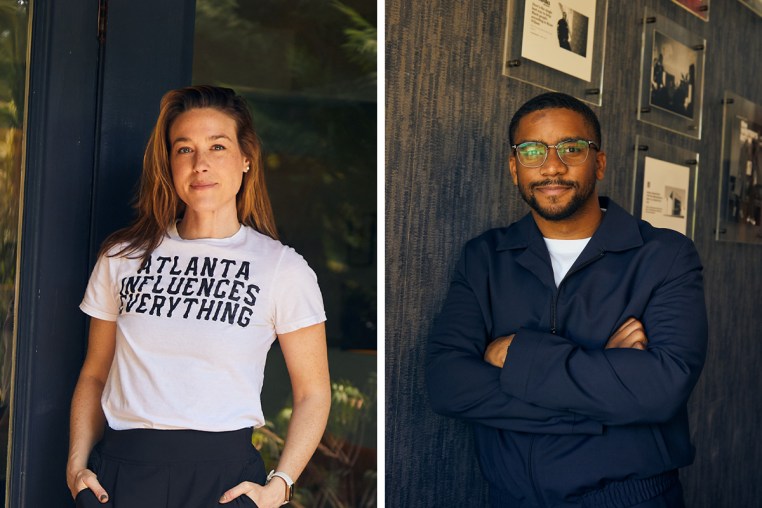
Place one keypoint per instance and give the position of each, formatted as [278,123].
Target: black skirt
[145,468]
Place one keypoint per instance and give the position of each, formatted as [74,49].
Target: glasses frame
[560,157]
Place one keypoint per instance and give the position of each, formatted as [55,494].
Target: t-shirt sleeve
[297,299]
[101,296]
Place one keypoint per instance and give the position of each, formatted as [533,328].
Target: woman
[184,305]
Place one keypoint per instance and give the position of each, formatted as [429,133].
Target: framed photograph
[664,185]
[557,45]
[740,203]
[754,5]
[672,76]
[699,8]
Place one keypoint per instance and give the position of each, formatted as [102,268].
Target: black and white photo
[740,211]
[559,35]
[673,76]
[558,45]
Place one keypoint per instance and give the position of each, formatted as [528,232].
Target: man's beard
[557,213]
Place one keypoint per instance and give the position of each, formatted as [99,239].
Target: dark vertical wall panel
[448,109]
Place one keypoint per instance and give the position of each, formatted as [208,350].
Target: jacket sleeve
[462,384]
[621,386]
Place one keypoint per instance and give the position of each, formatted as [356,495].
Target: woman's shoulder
[287,257]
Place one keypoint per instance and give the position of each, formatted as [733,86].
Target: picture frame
[672,76]
[754,5]
[664,185]
[557,45]
[739,216]
[699,8]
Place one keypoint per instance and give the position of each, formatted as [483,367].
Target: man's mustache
[554,183]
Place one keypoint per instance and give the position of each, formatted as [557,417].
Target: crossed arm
[462,385]
[549,384]
[630,335]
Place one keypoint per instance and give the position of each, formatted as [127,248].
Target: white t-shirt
[194,325]
[563,254]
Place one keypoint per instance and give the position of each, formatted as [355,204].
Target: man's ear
[512,166]
[600,165]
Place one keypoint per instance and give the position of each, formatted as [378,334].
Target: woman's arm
[307,361]
[87,419]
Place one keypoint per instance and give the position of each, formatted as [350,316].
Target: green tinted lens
[573,152]
[532,153]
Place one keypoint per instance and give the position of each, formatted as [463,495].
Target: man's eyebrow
[562,140]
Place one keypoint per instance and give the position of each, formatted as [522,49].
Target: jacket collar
[617,232]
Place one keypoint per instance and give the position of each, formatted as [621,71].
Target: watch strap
[289,483]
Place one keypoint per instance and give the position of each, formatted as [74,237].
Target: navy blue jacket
[566,422]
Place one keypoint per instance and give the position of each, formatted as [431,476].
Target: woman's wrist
[276,491]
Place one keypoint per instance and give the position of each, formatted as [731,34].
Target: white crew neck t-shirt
[563,254]
[194,325]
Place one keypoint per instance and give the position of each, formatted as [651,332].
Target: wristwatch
[289,483]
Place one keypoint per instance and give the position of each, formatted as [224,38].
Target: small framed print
[557,45]
[740,201]
[699,8]
[672,76]
[664,185]
[754,5]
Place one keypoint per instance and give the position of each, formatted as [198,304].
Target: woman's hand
[268,496]
[86,479]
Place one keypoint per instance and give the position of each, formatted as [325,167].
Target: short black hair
[555,100]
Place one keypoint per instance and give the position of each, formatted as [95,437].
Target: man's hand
[498,350]
[630,335]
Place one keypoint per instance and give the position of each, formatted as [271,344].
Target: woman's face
[207,163]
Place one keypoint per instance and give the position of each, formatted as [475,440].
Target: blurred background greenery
[307,69]
[13,44]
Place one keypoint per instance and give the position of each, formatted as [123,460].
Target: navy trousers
[146,468]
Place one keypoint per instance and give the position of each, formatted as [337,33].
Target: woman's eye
[218,147]
[183,149]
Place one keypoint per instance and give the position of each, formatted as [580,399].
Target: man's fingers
[629,326]
[630,334]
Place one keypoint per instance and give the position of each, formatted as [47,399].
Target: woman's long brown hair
[158,204]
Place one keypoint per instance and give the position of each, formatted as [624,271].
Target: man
[572,338]
[563,31]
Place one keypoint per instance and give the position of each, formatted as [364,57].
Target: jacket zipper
[554,306]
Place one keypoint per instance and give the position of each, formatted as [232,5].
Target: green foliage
[362,39]
[342,473]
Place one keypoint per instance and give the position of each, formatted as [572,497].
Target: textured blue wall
[447,114]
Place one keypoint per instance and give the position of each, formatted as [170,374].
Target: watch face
[290,491]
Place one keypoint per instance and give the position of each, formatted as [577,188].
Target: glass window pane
[13,43]
[308,72]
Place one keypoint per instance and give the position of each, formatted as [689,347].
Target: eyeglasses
[572,152]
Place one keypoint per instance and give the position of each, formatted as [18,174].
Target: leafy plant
[342,473]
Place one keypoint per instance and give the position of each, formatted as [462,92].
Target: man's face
[556,191]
